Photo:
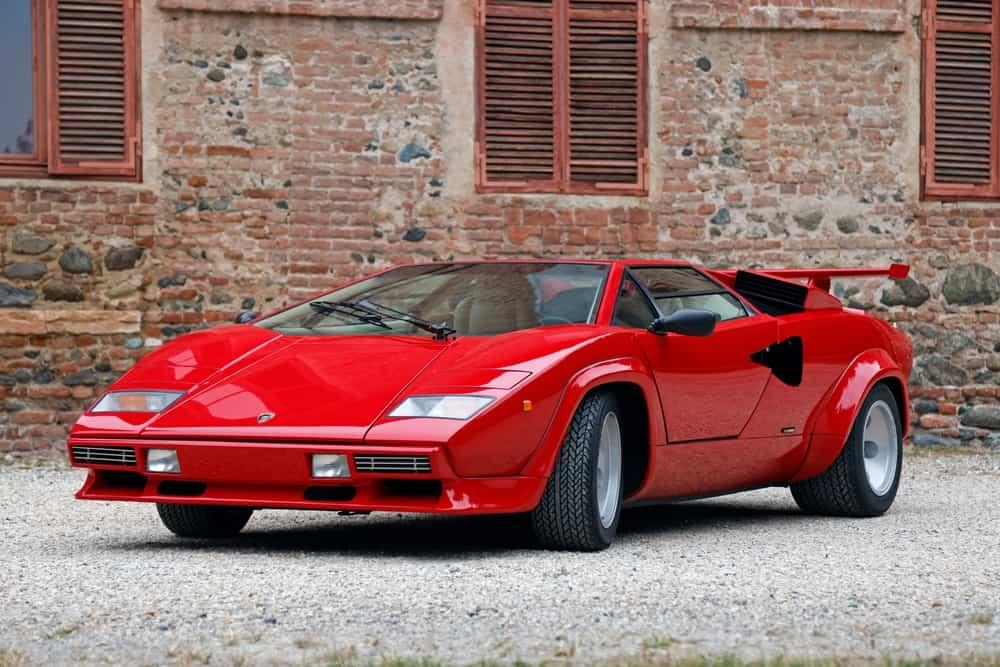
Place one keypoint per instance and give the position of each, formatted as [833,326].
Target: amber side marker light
[527,406]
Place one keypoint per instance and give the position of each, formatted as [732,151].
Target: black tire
[203,520]
[843,489]
[568,516]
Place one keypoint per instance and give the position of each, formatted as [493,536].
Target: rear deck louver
[771,295]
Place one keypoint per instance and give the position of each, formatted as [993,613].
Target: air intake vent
[386,463]
[771,295]
[111,456]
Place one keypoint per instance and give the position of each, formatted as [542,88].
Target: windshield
[471,299]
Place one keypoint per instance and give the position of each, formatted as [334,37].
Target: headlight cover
[136,401]
[442,407]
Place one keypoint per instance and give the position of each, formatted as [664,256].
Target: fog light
[330,465]
[162,460]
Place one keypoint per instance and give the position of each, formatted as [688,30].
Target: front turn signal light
[136,401]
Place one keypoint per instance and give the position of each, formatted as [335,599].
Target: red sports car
[563,389]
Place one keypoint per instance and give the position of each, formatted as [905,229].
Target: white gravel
[746,575]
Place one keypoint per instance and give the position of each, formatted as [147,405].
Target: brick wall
[855,15]
[396,10]
[293,145]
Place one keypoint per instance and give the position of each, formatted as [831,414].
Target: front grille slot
[109,456]
[393,464]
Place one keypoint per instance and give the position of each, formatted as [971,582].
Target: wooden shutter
[516,147]
[93,87]
[960,156]
[607,62]
[562,96]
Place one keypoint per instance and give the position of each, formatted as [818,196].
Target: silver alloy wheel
[881,448]
[609,469]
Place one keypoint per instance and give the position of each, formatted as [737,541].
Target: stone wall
[292,145]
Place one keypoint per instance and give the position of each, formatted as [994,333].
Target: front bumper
[278,476]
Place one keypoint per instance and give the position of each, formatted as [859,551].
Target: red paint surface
[716,421]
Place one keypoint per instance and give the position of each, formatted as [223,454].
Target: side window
[679,288]
[633,308]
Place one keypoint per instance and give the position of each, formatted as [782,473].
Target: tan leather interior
[503,305]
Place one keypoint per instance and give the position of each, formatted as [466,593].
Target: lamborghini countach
[563,390]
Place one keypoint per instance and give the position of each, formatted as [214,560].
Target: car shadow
[439,536]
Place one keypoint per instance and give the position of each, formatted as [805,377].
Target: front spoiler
[278,476]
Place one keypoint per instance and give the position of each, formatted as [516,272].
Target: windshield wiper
[440,331]
[351,310]
[375,313]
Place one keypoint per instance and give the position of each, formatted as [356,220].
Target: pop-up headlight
[441,407]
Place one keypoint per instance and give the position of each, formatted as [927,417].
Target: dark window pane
[660,281]
[17,134]
[682,288]
[633,308]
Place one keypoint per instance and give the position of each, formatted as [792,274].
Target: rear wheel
[582,501]
[864,479]
[203,520]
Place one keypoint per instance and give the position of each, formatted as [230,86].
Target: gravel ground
[746,576]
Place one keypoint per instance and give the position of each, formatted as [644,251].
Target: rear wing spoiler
[781,291]
[820,278]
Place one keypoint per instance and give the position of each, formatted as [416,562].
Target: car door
[709,386]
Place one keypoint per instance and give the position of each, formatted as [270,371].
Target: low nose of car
[339,383]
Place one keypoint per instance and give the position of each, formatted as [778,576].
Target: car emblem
[265,417]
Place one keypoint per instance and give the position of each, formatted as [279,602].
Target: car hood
[313,388]
[248,383]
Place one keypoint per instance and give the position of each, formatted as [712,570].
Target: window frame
[562,181]
[46,163]
[930,188]
[35,164]
[629,274]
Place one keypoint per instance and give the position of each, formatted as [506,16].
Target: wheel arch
[834,417]
[643,427]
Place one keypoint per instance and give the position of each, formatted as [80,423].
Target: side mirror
[246,316]
[686,322]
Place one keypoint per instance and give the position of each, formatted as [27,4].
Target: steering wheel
[555,319]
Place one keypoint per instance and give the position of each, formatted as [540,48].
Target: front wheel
[864,479]
[582,501]
[203,520]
